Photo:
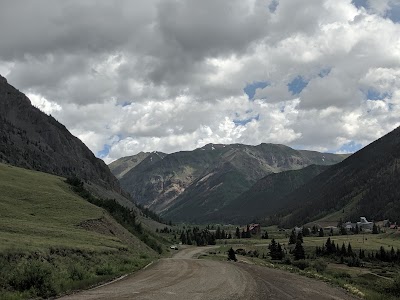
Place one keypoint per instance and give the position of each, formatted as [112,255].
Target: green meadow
[44,250]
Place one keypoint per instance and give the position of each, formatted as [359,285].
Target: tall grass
[46,274]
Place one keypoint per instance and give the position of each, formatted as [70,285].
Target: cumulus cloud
[170,75]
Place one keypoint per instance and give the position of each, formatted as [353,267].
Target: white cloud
[169,75]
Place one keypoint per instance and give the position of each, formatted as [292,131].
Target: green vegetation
[52,241]
[124,216]
[366,265]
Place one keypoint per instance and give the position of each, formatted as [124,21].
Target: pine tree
[248,233]
[299,251]
[305,231]
[343,251]
[314,229]
[183,238]
[321,232]
[300,237]
[231,254]
[218,233]
[275,250]
[279,252]
[292,238]
[237,234]
[375,229]
[349,250]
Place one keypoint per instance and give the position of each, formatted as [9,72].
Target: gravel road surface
[183,277]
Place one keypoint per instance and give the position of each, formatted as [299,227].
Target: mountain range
[194,186]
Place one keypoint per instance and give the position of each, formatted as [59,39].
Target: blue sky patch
[273,5]
[297,85]
[376,95]
[245,121]
[104,151]
[324,72]
[350,147]
[251,88]
[394,12]
[360,3]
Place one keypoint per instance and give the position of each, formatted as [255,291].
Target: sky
[170,75]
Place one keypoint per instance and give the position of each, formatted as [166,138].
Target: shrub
[105,270]
[35,276]
[391,287]
[76,272]
[301,264]
[319,265]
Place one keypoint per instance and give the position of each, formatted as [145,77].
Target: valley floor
[183,277]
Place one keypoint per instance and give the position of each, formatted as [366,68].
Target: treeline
[123,215]
[152,215]
[354,258]
[197,237]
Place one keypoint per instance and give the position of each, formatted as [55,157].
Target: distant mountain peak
[193,184]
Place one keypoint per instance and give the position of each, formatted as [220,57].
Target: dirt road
[183,277]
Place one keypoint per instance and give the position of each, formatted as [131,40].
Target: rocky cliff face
[31,139]
[192,185]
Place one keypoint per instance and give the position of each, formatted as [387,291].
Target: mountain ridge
[212,174]
[34,140]
[370,178]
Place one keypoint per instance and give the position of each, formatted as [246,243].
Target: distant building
[297,230]
[255,228]
[364,224]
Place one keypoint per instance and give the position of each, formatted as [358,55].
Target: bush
[391,287]
[76,272]
[319,265]
[287,261]
[35,276]
[105,270]
[301,264]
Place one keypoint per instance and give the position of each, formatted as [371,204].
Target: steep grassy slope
[31,139]
[52,241]
[267,195]
[190,185]
[369,180]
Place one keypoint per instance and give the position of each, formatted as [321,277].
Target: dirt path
[183,277]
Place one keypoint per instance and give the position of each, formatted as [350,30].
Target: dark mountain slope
[370,177]
[267,195]
[206,179]
[122,166]
[31,139]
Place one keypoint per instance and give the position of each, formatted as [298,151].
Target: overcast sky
[170,75]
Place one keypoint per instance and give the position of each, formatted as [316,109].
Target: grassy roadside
[373,280]
[52,241]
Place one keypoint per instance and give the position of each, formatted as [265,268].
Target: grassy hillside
[53,241]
